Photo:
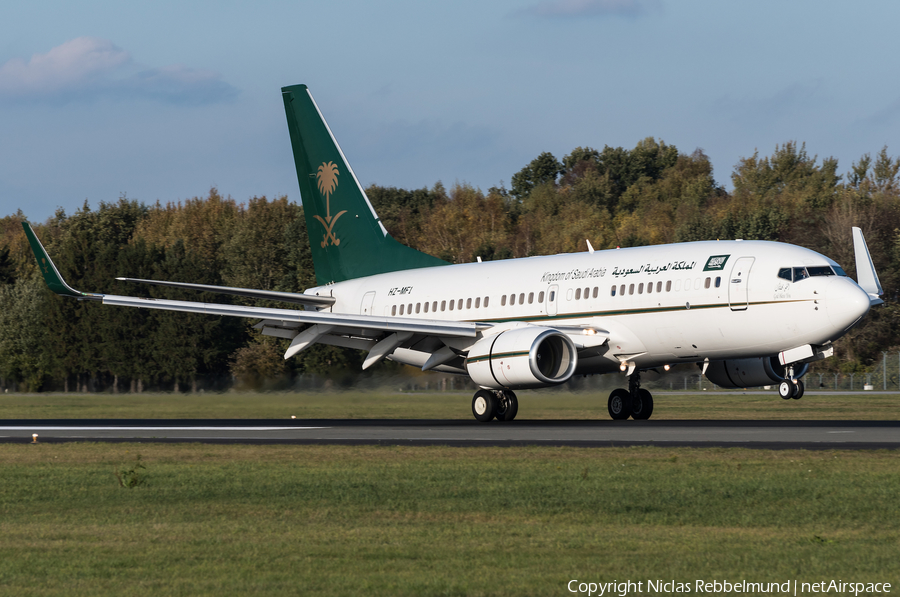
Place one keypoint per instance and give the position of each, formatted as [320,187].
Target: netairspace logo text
[790,587]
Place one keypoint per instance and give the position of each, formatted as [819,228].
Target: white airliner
[749,313]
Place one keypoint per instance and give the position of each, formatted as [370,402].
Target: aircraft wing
[386,324]
[287,297]
[323,322]
[441,343]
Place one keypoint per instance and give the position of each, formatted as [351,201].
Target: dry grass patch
[326,455]
[533,405]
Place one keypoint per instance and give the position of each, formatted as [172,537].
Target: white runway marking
[104,428]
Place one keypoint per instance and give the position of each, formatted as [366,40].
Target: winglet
[51,275]
[866,276]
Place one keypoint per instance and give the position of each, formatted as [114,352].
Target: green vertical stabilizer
[347,239]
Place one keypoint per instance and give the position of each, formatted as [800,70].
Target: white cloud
[72,65]
[792,103]
[590,8]
[89,68]
[883,117]
[181,85]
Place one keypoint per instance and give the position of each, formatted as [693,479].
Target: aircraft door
[739,284]
[552,297]
[367,302]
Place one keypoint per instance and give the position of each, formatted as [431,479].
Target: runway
[852,435]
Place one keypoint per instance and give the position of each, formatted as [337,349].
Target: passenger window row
[521,296]
[640,287]
[586,293]
[529,298]
[460,304]
[445,305]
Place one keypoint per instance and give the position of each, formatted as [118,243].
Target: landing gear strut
[502,404]
[635,402]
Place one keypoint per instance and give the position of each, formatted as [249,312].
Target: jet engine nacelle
[525,357]
[746,373]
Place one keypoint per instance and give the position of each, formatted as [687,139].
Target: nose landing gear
[790,387]
[635,402]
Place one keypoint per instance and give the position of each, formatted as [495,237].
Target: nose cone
[846,303]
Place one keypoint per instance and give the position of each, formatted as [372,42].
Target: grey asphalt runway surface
[854,435]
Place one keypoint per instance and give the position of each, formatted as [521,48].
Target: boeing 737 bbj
[749,313]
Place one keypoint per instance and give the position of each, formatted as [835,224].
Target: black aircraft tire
[484,406]
[512,406]
[799,390]
[619,404]
[642,408]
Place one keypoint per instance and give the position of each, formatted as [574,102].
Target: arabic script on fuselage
[650,269]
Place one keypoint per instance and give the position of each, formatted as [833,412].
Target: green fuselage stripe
[619,312]
[502,355]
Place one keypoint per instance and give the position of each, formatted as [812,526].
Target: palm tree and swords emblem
[327,179]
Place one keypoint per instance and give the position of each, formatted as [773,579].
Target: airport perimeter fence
[883,375]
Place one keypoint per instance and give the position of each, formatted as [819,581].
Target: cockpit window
[795,274]
[839,271]
[820,270]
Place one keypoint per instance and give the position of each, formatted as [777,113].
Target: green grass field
[435,405]
[337,520]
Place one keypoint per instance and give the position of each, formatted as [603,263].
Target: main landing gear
[635,402]
[790,387]
[500,404]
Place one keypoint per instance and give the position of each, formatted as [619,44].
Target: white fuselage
[659,305]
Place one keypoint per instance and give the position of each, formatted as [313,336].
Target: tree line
[613,197]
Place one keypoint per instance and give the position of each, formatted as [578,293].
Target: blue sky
[163,100]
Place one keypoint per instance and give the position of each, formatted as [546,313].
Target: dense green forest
[613,197]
